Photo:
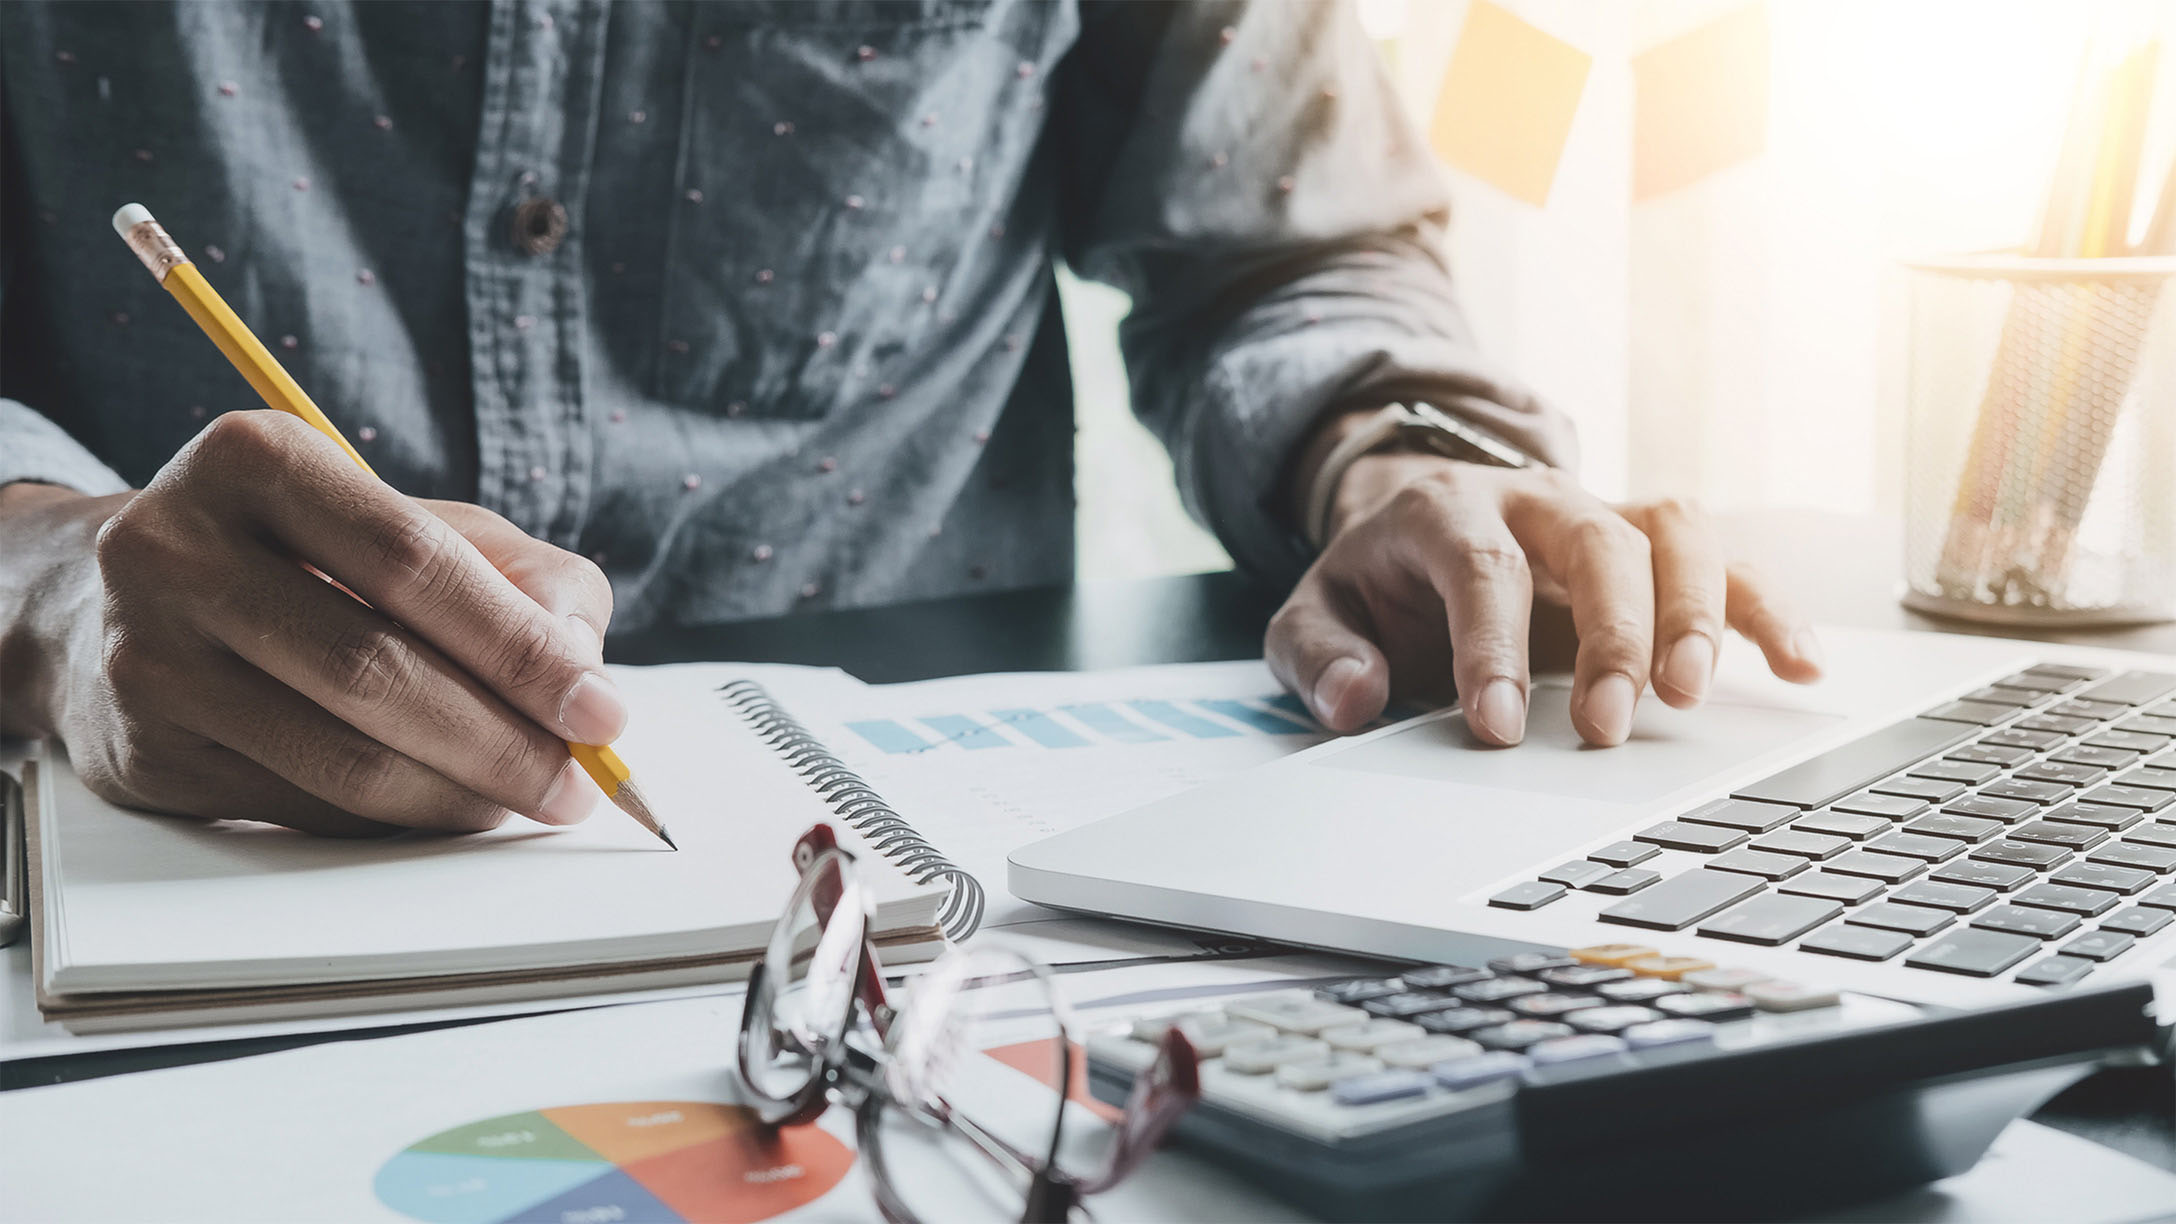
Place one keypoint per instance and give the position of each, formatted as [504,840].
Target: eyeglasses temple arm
[1160,1095]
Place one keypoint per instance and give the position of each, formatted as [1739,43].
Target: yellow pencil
[164,257]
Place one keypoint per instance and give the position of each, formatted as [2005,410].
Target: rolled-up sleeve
[1246,173]
[34,448]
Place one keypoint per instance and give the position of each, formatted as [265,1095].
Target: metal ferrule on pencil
[155,247]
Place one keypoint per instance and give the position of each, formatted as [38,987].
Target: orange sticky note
[1507,102]
[1700,103]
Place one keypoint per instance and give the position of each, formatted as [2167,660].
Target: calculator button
[1918,846]
[1974,953]
[2085,901]
[1639,990]
[1530,963]
[1790,996]
[1714,1006]
[2137,920]
[1519,1034]
[1211,1034]
[2157,859]
[2130,796]
[1839,824]
[1295,1013]
[1611,1019]
[1957,898]
[1263,1057]
[1321,1073]
[1584,977]
[1888,868]
[1746,814]
[1612,955]
[1910,919]
[1528,896]
[1848,889]
[1888,807]
[1668,968]
[1575,1049]
[1679,835]
[1806,845]
[1379,1086]
[1577,874]
[1771,919]
[1987,807]
[1410,1003]
[2054,971]
[1365,1038]
[2099,815]
[1624,853]
[1669,1033]
[1683,899]
[1496,990]
[1358,989]
[1463,1019]
[1426,1052]
[1625,882]
[1962,828]
[1856,942]
[2019,920]
[1459,1074]
[1441,977]
[2107,876]
[2056,833]
[1999,876]
[1552,1006]
[1762,863]
[1722,979]
[2100,945]
[2019,854]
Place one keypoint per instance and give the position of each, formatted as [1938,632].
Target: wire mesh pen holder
[2040,483]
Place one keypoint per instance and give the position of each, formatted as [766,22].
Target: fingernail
[1609,707]
[593,712]
[1807,646]
[1501,711]
[1690,665]
[1330,686]
[586,634]
[568,801]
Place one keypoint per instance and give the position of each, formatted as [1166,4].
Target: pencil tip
[630,801]
[667,838]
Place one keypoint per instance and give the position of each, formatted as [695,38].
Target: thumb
[1322,657]
[561,582]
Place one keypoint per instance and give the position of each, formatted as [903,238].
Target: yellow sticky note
[1507,102]
[1700,103]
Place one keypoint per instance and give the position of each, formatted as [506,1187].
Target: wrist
[49,596]
[1306,467]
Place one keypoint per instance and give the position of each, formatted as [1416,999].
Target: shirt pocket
[828,170]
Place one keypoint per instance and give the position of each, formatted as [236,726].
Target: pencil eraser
[128,217]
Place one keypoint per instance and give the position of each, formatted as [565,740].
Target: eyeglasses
[946,1130]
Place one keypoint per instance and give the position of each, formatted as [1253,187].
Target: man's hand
[1432,572]
[178,642]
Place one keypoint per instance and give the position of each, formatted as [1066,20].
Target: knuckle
[371,665]
[1488,557]
[413,544]
[1617,639]
[520,766]
[529,658]
[246,441]
[364,776]
[1676,511]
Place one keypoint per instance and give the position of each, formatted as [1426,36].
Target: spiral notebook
[151,921]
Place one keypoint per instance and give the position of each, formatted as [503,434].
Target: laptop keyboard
[2029,823]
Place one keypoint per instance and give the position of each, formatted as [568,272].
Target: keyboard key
[2042,682]
[1987,807]
[1520,1034]
[1759,863]
[2057,724]
[1669,1033]
[1622,883]
[2020,920]
[2115,879]
[1888,868]
[1612,955]
[1578,873]
[2134,740]
[1295,1014]
[1265,1056]
[1962,828]
[2163,897]
[1358,989]
[1366,1037]
[2054,971]
[1889,807]
[2105,758]
[1857,943]
[1552,1006]
[1846,768]
[1683,899]
[2062,773]
[2137,920]
[1497,990]
[1956,898]
[1703,839]
[1584,977]
[1806,845]
[1320,1074]
[1933,790]
[2022,854]
[1918,846]
[1668,968]
[1530,963]
[1913,920]
[2149,777]
[2155,834]
[1463,1019]
[1463,1073]
[2135,688]
[1977,713]
[1575,1049]
[2031,792]
[1624,853]
[1989,754]
[1406,1005]
[1848,889]
[2065,671]
[1531,895]
[2015,698]
[2158,859]
[2068,898]
[2100,816]
[1379,1086]
[2014,737]
[1771,919]
[1611,1019]
[2002,877]
[2139,797]
[1955,771]
[1723,978]
[1442,977]
[1837,824]
[1424,1052]
[1742,814]
[1974,953]
[2101,945]
[2057,833]
[1639,990]
[1791,996]
[1713,1006]
[2148,725]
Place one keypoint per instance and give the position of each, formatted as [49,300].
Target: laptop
[1944,820]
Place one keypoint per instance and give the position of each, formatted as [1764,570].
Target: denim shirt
[754,303]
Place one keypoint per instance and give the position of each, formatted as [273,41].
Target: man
[750,308]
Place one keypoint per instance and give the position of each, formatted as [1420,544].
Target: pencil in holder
[2041,452]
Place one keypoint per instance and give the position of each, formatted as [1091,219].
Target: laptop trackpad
[1667,751]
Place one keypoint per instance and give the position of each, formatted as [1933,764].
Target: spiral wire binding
[853,801]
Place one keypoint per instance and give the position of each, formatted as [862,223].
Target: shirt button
[540,225]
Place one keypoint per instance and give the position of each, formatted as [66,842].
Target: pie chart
[626,1162]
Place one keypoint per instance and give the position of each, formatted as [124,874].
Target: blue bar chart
[1089,724]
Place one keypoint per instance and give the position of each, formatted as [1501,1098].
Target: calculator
[1616,1081]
